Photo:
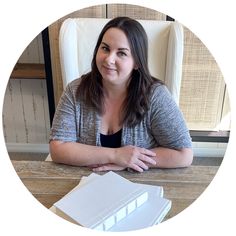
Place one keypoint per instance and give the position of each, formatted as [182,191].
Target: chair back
[78,37]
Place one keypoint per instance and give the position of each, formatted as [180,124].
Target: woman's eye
[121,54]
[105,49]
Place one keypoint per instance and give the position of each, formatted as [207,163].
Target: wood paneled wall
[25,112]
[33,53]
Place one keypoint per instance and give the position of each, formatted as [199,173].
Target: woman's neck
[114,92]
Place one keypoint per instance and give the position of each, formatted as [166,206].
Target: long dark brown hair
[136,103]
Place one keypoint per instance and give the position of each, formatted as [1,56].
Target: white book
[87,179]
[152,212]
[148,214]
[103,202]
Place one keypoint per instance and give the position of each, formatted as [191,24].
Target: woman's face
[114,59]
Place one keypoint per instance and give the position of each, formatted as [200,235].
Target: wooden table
[48,182]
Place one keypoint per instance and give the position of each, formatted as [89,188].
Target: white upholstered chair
[78,37]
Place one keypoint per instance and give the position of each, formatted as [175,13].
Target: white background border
[214,23]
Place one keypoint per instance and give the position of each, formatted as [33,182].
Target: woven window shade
[225,118]
[136,12]
[203,87]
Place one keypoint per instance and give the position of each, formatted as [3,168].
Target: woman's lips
[109,68]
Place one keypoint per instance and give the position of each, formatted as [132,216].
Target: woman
[118,116]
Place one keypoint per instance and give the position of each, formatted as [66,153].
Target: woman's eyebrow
[120,49]
[105,44]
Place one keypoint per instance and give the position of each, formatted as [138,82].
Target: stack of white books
[110,202]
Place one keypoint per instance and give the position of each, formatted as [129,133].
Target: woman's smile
[109,69]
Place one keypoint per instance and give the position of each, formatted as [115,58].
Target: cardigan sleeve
[64,121]
[167,122]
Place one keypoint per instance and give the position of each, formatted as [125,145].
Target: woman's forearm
[86,155]
[170,158]
[80,154]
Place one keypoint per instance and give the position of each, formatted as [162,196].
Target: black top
[111,140]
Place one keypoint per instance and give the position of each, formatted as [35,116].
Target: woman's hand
[133,157]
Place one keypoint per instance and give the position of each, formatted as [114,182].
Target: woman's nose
[110,58]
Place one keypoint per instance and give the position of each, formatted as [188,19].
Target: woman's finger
[136,167]
[142,165]
[147,159]
[147,152]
